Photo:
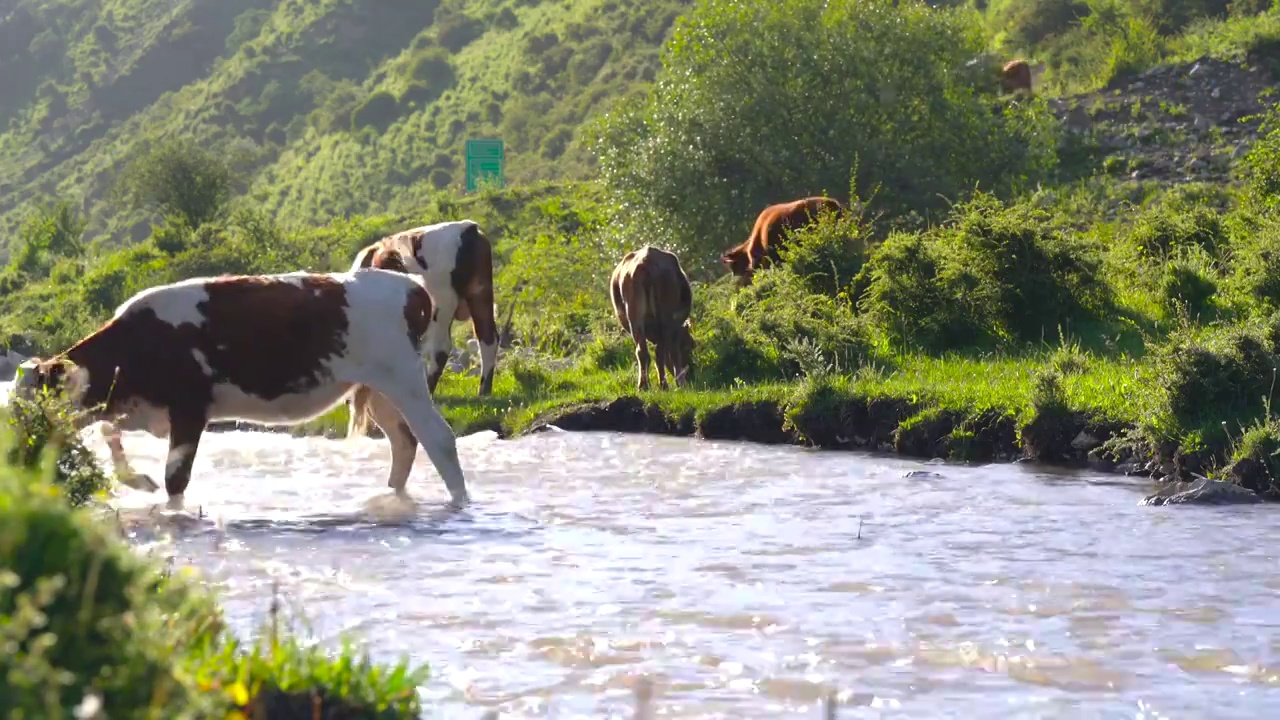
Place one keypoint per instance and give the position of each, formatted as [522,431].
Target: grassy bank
[93,628]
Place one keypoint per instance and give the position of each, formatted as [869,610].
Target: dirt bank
[1069,439]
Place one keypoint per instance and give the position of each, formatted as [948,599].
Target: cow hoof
[140,481]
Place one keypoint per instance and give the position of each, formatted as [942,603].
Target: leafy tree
[53,230]
[762,101]
[179,177]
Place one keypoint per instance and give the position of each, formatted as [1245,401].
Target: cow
[455,260]
[272,349]
[652,299]
[1015,76]
[761,246]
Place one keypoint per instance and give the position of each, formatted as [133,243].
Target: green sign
[484,160]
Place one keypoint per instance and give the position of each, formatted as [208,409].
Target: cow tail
[358,423]
[615,291]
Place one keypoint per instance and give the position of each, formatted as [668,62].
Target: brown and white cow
[652,299]
[274,349]
[761,246]
[455,261]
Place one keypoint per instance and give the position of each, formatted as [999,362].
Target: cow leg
[662,360]
[412,399]
[438,340]
[485,325]
[123,472]
[185,429]
[636,321]
[404,446]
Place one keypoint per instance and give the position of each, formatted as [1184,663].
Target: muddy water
[745,580]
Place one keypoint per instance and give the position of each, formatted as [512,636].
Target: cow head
[54,375]
[388,259]
[738,262]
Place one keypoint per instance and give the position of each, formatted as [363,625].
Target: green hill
[336,106]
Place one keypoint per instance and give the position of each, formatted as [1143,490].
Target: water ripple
[748,581]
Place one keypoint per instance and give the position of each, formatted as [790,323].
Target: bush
[1189,283]
[81,613]
[773,330]
[1254,283]
[998,273]
[1207,377]
[39,425]
[826,255]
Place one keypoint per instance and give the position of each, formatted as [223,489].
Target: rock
[9,362]
[1206,492]
[1085,441]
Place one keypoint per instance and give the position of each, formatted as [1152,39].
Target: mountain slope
[341,106]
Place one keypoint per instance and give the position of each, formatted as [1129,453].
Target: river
[745,580]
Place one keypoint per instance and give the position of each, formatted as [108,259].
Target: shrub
[1205,377]
[998,273]
[1165,229]
[1254,282]
[80,612]
[1189,283]
[826,255]
[773,330]
[378,111]
[40,425]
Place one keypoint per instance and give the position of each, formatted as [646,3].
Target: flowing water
[745,580]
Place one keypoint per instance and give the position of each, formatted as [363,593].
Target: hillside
[338,106]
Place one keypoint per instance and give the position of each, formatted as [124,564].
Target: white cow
[274,349]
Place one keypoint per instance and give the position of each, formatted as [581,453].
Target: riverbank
[1062,407]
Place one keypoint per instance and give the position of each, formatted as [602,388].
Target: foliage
[39,425]
[179,178]
[900,114]
[996,273]
[85,620]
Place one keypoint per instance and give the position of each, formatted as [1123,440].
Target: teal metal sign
[485,160]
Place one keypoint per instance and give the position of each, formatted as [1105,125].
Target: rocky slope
[1177,123]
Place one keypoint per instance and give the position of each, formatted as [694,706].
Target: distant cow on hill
[1015,76]
[652,299]
[275,349]
[761,246]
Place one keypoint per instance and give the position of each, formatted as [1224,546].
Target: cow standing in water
[652,299]
[761,246]
[273,349]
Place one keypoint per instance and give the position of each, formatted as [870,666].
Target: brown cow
[652,299]
[761,246]
[274,349]
[1015,76]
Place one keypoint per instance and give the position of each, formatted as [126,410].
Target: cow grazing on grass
[1015,76]
[455,260]
[653,300]
[761,246]
[274,349]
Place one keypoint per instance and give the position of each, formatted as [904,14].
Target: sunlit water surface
[745,580]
